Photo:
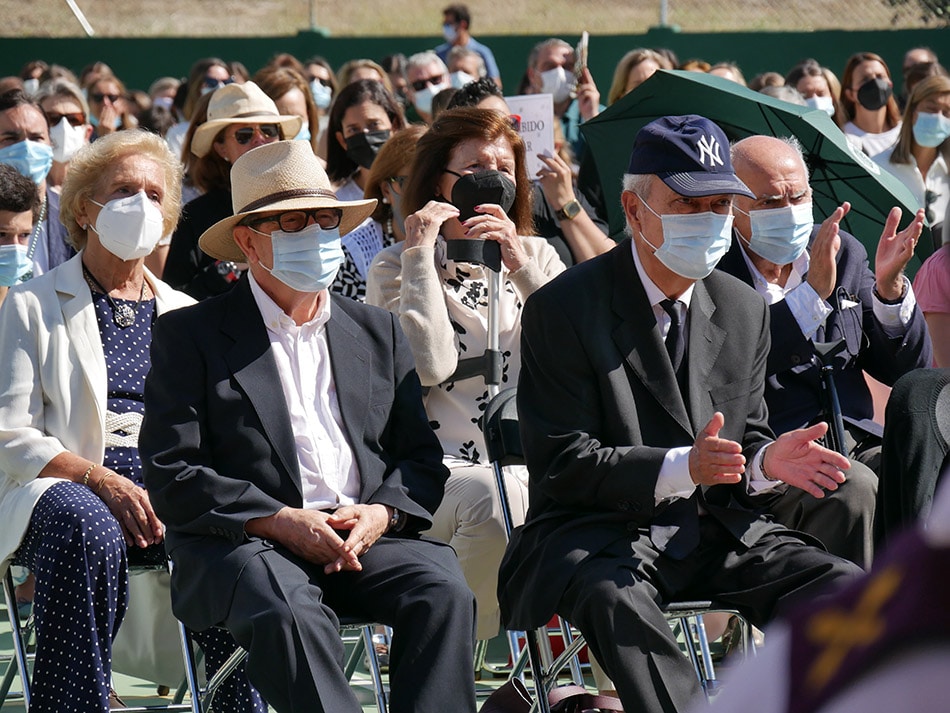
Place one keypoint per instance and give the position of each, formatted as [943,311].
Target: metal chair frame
[200,702]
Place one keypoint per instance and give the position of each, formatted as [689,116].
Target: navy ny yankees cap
[690,154]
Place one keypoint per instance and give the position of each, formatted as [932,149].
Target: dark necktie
[675,338]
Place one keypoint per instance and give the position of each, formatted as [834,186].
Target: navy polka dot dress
[76,549]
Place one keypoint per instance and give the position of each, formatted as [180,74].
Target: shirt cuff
[673,480]
[757,482]
[895,318]
[808,309]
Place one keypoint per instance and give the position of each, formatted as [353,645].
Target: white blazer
[53,386]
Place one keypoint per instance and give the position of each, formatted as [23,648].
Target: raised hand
[822,268]
[894,251]
[714,460]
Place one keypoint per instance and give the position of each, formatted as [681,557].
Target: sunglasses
[421,84]
[99,98]
[75,119]
[213,83]
[293,221]
[245,135]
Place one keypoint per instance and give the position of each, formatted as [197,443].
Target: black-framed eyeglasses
[245,134]
[99,98]
[399,181]
[421,84]
[74,118]
[293,221]
[212,83]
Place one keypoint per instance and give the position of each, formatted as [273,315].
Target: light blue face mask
[308,260]
[304,133]
[322,94]
[693,243]
[780,235]
[15,262]
[931,130]
[30,158]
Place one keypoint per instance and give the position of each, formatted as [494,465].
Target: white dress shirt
[328,474]
[810,311]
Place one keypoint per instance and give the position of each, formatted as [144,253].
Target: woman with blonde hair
[633,69]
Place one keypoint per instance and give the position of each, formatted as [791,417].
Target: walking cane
[825,353]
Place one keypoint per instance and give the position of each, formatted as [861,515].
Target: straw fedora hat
[285,175]
[240,104]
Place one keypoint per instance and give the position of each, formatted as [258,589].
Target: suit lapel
[706,338]
[351,364]
[79,316]
[646,356]
[255,370]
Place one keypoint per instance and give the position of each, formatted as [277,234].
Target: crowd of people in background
[427,137]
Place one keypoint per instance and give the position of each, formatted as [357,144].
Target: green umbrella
[837,172]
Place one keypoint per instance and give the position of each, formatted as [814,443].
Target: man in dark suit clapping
[645,431]
[819,288]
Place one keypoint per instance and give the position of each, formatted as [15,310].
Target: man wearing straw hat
[289,455]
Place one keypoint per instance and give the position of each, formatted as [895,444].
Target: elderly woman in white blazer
[74,352]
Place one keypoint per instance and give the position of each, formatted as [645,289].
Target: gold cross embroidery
[839,631]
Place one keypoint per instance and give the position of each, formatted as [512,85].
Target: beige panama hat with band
[240,104]
[285,175]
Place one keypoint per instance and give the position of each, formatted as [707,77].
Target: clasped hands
[314,534]
[794,458]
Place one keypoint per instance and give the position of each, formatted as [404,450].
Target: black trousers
[284,612]
[616,596]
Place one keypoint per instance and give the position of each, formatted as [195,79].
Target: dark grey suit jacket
[599,407]
[218,448]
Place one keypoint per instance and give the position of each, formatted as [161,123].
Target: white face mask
[558,83]
[693,243]
[424,98]
[129,228]
[67,140]
[825,104]
[780,235]
[308,260]
[460,79]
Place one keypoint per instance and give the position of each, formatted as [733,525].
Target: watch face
[570,210]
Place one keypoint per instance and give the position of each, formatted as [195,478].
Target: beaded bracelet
[85,476]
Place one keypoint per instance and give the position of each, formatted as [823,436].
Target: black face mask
[474,189]
[874,93]
[362,148]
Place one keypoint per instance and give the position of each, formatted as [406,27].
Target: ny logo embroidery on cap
[709,146]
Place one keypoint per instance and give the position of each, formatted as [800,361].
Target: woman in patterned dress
[468,180]
[74,344]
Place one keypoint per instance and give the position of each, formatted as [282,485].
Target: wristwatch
[570,210]
[397,521]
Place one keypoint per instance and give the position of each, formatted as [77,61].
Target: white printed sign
[535,114]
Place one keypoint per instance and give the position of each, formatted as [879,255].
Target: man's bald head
[758,153]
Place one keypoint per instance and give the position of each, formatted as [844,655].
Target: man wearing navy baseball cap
[646,432]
